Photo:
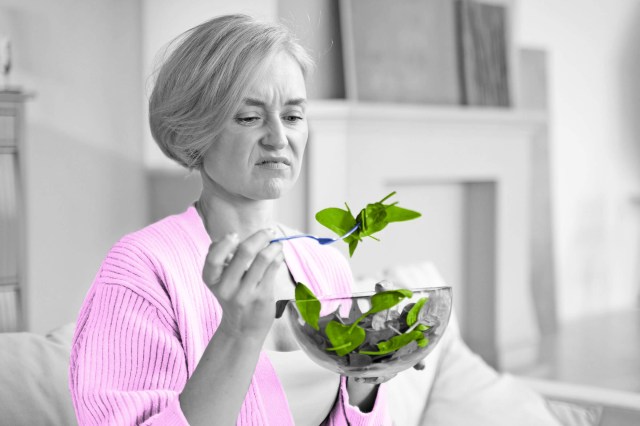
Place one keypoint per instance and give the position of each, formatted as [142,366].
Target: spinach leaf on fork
[371,219]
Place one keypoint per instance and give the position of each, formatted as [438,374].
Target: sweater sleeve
[345,414]
[127,362]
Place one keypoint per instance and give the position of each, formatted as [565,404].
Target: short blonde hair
[203,80]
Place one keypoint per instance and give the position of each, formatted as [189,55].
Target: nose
[276,137]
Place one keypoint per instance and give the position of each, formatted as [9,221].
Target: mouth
[274,162]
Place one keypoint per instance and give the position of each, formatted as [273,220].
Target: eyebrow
[259,103]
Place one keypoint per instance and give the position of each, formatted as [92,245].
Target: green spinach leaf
[338,220]
[370,220]
[396,342]
[344,338]
[387,299]
[413,314]
[398,214]
[308,305]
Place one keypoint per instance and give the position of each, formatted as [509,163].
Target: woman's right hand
[241,275]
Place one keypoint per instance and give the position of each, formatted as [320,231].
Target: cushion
[34,376]
[456,388]
[571,414]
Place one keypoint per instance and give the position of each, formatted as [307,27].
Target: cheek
[301,141]
[300,149]
[218,161]
[224,154]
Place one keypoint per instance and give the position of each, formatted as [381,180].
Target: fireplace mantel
[339,109]
[358,151]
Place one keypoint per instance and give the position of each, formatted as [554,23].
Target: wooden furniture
[12,210]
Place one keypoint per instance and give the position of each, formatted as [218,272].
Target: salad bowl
[374,334]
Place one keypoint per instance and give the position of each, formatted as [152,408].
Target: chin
[273,190]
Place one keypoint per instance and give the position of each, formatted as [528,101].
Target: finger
[264,288]
[244,256]
[384,285]
[420,365]
[261,263]
[267,284]
[373,380]
[219,255]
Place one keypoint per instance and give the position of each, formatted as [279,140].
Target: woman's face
[259,152]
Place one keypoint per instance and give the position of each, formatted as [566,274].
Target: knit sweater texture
[148,318]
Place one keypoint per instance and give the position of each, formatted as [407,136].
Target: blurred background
[541,237]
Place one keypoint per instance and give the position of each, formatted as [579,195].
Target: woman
[178,327]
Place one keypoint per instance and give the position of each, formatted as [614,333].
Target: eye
[293,118]
[248,120]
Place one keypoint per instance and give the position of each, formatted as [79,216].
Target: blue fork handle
[320,240]
[293,237]
[351,231]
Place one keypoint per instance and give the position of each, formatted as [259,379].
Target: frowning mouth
[274,161]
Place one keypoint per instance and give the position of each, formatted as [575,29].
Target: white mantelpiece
[359,152]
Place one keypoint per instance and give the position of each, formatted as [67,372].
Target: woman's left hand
[363,391]
[378,380]
[373,380]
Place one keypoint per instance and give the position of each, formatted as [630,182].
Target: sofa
[456,388]
[34,377]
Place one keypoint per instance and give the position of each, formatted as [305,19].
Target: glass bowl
[427,310]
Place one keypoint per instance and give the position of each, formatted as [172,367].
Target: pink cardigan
[148,318]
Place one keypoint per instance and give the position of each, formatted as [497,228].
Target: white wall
[594,64]
[84,175]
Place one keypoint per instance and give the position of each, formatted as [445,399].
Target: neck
[226,214]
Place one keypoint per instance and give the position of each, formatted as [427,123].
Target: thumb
[374,380]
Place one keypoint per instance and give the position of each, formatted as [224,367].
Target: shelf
[11,286]
[12,229]
[4,281]
[355,110]
[15,96]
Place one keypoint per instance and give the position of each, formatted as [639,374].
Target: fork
[321,240]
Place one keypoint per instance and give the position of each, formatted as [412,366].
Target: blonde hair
[203,80]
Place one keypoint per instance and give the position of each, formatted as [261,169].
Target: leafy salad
[384,331]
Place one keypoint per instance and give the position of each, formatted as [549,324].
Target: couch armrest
[614,407]
[34,378]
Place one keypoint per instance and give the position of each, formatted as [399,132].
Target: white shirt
[311,390]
